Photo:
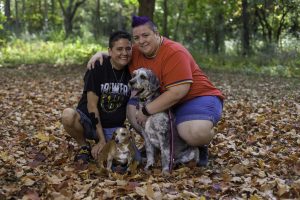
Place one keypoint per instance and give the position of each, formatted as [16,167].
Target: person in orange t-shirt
[196,103]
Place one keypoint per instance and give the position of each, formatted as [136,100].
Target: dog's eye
[123,134]
[143,77]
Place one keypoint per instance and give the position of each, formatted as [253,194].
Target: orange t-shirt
[174,65]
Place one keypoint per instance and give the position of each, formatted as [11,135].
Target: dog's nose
[117,140]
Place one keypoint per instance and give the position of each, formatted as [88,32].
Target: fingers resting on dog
[97,149]
[141,118]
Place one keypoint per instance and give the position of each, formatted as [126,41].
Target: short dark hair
[115,36]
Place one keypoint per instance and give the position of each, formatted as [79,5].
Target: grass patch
[34,52]
[285,64]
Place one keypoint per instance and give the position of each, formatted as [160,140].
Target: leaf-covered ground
[255,153]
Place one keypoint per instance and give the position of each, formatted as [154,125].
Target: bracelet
[145,111]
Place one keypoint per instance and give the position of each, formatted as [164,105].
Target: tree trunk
[165,20]
[146,8]
[7,10]
[23,17]
[207,39]
[245,31]
[17,20]
[69,14]
[96,21]
[7,13]
[181,9]
[219,35]
[46,16]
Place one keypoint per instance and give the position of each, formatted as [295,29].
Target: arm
[92,99]
[166,100]
[98,56]
[169,98]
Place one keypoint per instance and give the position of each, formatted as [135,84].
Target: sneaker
[121,169]
[84,154]
[203,156]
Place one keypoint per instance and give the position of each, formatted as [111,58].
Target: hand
[141,118]
[98,56]
[97,149]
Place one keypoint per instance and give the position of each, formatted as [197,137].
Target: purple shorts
[200,108]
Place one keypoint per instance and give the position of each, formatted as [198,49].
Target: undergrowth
[78,51]
[285,64]
[20,52]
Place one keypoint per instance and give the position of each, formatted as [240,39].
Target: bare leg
[196,132]
[71,123]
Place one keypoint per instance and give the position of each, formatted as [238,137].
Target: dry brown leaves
[255,153]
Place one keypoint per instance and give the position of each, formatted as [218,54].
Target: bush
[19,52]
[285,64]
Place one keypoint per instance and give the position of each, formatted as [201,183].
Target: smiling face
[147,40]
[120,53]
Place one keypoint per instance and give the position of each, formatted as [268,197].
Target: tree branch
[62,7]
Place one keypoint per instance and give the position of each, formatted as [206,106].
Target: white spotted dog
[156,130]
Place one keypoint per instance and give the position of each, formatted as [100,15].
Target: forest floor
[254,155]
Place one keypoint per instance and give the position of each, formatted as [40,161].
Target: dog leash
[171,133]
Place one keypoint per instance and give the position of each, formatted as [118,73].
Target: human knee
[68,116]
[196,134]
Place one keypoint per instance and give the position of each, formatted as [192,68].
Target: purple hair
[141,20]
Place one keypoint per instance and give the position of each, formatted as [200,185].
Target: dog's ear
[154,82]
[131,134]
[114,135]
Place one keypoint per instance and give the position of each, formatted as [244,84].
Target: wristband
[94,120]
[145,111]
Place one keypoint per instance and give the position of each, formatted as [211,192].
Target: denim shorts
[89,132]
[200,108]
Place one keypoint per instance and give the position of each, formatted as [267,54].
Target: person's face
[146,39]
[120,53]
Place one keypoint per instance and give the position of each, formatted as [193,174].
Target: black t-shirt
[111,86]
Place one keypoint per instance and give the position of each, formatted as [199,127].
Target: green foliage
[20,52]
[131,2]
[286,64]
[3,34]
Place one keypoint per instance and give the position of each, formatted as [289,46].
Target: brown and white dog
[156,131]
[119,151]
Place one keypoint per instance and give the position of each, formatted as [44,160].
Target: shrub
[19,52]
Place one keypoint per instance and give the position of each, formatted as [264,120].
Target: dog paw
[166,173]
[148,167]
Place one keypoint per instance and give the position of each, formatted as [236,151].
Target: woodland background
[248,48]
[244,35]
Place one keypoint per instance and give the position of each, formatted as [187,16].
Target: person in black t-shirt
[102,107]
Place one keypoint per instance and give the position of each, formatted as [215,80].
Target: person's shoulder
[173,45]
[98,67]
